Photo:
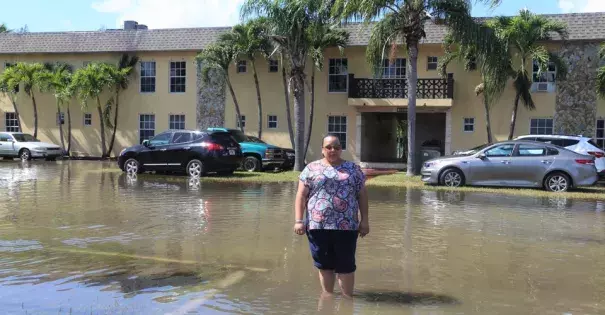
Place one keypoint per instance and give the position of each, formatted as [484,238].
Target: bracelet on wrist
[299,221]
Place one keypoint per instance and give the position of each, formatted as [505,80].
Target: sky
[90,15]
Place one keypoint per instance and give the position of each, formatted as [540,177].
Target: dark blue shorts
[333,249]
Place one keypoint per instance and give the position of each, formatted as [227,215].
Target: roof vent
[130,25]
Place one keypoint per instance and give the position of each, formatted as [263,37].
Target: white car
[26,147]
[579,144]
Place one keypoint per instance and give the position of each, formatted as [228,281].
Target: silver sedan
[26,147]
[513,164]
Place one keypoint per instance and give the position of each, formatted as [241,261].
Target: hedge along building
[166,91]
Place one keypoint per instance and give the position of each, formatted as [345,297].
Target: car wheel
[25,155]
[557,182]
[132,166]
[195,168]
[452,178]
[251,164]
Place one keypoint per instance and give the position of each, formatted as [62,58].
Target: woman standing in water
[333,193]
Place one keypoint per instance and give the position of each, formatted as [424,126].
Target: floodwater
[77,240]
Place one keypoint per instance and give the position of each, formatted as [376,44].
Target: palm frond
[522,86]
[601,82]
[385,35]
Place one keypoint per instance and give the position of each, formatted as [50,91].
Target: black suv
[195,152]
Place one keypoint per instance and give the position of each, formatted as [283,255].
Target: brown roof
[581,26]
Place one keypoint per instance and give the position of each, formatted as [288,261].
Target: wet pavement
[80,240]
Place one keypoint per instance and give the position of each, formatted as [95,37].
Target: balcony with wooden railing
[435,92]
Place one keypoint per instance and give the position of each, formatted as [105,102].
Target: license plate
[231,152]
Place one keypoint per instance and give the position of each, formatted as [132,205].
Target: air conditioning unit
[542,87]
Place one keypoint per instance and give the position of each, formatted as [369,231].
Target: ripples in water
[76,239]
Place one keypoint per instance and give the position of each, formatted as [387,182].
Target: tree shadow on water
[406,298]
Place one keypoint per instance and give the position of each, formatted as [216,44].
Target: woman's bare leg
[347,283]
[327,279]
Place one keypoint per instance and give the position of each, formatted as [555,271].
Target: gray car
[514,164]
[26,147]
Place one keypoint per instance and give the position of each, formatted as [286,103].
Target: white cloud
[175,13]
[568,6]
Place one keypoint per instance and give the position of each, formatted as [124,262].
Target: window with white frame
[11,122]
[146,126]
[337,125]
[395,69]
[432,62]
[176,122]
[61,118]
[87,119]
[242,66]
[600,136]
[541,126]
[469,124]
[338,75]
[178,76]
[148,77]
[272,121]
[273,65]
[549,75]
[243,121]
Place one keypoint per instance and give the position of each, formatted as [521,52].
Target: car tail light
[597,155]
[585,162]
[212,146]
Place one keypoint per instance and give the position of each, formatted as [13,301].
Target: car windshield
[24,137]
[255,139]
[593,143]
[473,150]
[238,136]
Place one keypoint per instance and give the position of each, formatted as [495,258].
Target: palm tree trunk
[68,131]
[16,110]
[60,127]
[260,107]
[490,137]
[299,117]
[412,82]
[312,107]
[103,147]
[288,115]
[35,115]
[513,118]
[239,115]
[115,123]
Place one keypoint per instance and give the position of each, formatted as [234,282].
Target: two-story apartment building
[367,113]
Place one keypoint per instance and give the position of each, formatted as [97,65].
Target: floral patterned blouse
[332,203]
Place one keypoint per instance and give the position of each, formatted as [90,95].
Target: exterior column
[448,132]
[358,133]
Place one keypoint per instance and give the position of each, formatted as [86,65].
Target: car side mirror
[146,143]
[482,156]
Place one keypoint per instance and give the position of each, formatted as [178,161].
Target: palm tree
[289,22]
[322,35]
[495,71]
[218,57]
[31,76]
[8,86]
[57,80]
[250,39]
[88,83]
[403,22]
[121,79]
[287,98]
[526,34]
[601,74]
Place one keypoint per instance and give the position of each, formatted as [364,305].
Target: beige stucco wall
[86,139]
[465,104]
[162,103]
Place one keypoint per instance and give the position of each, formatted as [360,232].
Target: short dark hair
[330,135]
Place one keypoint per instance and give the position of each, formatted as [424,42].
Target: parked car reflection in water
[514,164]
